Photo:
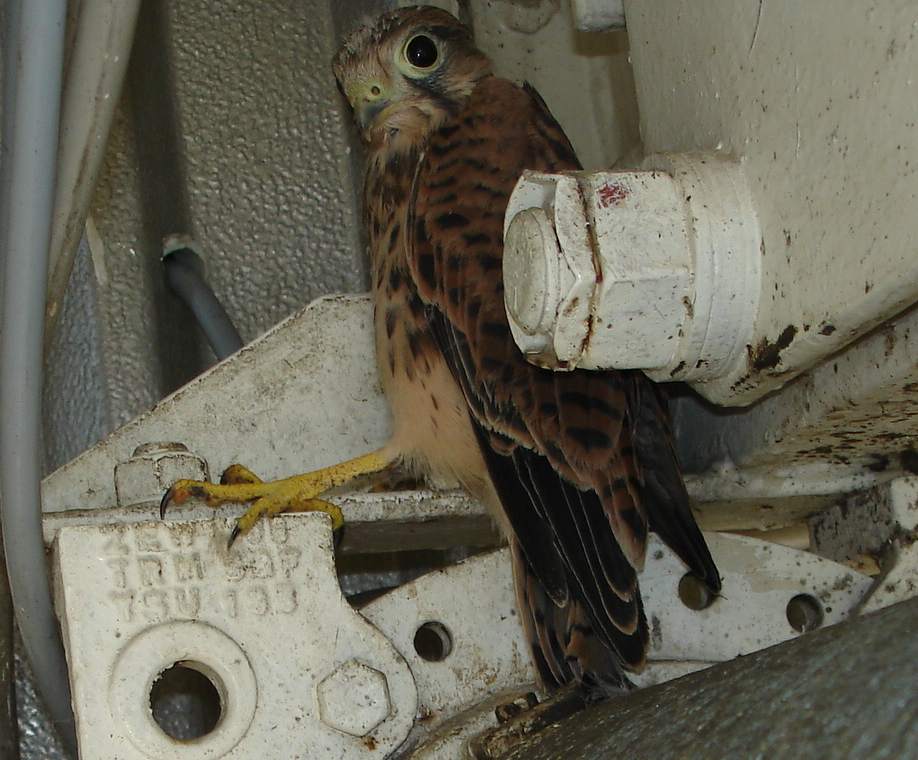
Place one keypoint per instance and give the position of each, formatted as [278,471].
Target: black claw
[164,502]
[233,536]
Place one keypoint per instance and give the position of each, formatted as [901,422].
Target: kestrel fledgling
[577,466]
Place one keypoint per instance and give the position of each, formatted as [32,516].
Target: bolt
[152,469]
[600,272]
[655,270]
[354,699]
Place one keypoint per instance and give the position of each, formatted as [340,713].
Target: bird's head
[408,72]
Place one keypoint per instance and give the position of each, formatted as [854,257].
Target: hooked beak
[367,112]
[370,100]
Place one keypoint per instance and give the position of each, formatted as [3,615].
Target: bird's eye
[421,52]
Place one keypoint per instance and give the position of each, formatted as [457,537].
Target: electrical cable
[184,275]
[31,110]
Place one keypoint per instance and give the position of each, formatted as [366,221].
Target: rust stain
[889,342]
[572,306]
[767,355]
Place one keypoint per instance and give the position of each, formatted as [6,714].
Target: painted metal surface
[298,671]
[898,579]
[230,129]
[853,413]
[831,159]
[304,396]
[166,592]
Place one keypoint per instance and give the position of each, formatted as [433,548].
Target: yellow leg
[294,494]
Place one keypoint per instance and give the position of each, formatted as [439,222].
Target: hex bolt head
[354,699]
[152,469]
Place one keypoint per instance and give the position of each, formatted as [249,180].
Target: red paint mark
[611,194]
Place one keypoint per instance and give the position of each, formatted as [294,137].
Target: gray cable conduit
[31,111]
[184,275]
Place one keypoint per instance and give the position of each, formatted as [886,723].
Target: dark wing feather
[665,497]
[562,448]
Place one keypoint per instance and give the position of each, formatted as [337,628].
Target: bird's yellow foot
[295,494]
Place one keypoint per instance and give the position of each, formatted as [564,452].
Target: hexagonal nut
[152,469]
[354,699]
[638,221]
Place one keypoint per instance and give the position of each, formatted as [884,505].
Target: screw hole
[433,642]
[804,613]
[186,700]
[694,593]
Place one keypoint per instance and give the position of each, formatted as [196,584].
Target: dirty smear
[767,355]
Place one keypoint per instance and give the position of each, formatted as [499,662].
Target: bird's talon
[179,493]
[164,503]
[236,532]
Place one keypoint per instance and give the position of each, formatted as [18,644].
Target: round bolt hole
[804,613]
[694,593]
[186,701]
[433,642]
